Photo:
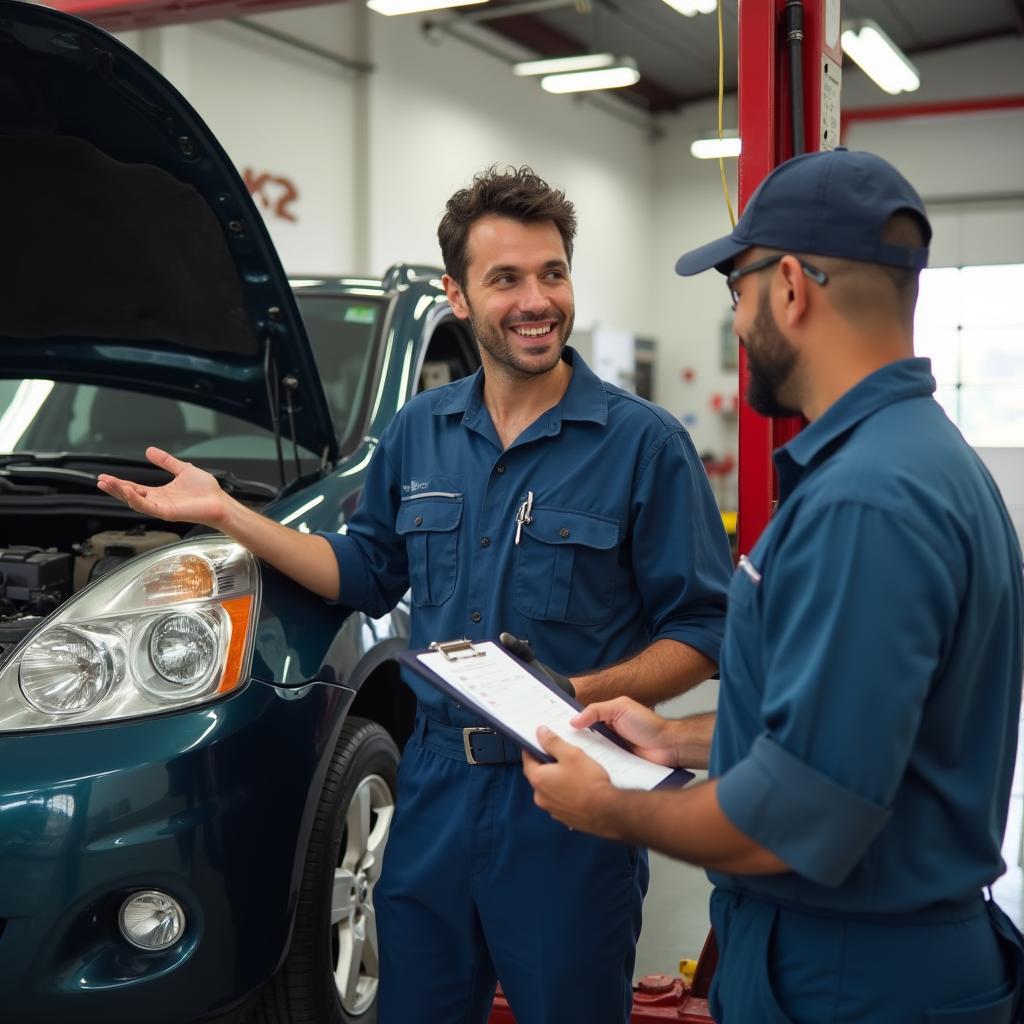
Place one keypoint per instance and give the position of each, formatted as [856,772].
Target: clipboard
[514,698]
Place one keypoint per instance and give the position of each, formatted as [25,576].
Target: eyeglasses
[816,275]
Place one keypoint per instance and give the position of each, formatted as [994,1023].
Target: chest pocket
[430,527]
[567,567]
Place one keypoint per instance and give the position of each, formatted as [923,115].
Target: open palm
[193,496]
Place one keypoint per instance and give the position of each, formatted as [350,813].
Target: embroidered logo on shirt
[415,485]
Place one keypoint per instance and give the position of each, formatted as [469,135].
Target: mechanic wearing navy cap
[871,670]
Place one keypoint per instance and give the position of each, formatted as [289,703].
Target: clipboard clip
[457,650]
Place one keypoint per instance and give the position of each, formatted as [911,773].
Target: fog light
[151,920]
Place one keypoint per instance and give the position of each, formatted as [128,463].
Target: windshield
[87,419]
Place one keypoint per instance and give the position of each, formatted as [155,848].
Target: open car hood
[132,254]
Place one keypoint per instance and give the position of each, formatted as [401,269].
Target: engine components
[105,551]
[34,580]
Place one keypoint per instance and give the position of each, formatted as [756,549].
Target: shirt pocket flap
[556,526]
[424,516]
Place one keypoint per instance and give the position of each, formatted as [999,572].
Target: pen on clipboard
[524,515]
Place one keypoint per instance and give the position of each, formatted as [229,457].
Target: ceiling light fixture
[623,73]
[564,65]
[879,57]
[390,7]
[713,148]
[692,7]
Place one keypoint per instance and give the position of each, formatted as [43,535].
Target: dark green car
[197,757]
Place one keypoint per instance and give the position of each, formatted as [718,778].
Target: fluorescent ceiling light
[564,65]
[711,149]
[622,74]
[879,57]
[692,7]
[416,6]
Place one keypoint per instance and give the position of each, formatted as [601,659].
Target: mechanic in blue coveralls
[535,498]
[871,669]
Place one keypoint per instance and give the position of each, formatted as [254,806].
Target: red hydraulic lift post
[765,120]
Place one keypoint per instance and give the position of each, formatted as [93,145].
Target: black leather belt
[473,744]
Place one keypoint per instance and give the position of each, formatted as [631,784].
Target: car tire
[330,973]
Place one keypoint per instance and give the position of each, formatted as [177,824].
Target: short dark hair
[517,193]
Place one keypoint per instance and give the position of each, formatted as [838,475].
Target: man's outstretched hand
[193,496]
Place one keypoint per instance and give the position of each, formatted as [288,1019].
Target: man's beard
[770,363]
[495,342]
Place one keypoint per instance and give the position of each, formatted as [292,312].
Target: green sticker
[360,315]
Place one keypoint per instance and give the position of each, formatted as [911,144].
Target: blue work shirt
[871,670]
[626,545]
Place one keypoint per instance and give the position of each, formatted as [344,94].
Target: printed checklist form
[507,695]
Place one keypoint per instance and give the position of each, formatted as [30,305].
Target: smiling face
[517,296]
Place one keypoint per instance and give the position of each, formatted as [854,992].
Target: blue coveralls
[867,726]
[626,547]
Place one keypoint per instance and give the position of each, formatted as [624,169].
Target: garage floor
[676,920]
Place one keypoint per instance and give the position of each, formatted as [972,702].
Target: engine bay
[35,581]
[58,533]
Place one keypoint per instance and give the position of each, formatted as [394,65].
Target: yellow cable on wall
[721,103]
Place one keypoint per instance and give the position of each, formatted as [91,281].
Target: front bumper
[212,805]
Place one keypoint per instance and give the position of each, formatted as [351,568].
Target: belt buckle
[467,741]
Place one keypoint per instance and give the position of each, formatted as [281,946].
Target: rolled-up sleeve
[681,558]
[816,826]
[372,560]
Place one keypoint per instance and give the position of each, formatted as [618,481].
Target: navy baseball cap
[832,203]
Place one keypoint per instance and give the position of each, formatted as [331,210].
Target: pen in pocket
[748,567]
[523,515]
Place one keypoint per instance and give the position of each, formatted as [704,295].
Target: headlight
[71,671]
[184,651]
[168,629]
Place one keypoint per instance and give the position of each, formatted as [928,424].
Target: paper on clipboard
[507,693]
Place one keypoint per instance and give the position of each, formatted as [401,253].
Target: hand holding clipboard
[517,700]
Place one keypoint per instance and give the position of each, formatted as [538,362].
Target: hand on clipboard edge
[625,721]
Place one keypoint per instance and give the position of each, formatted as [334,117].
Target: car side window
[451,355]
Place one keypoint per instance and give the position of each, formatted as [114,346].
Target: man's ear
[456,298]
[792,292]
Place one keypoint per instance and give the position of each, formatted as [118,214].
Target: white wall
[278,112]
[375,157]
[434,115]
[441,112]
[693,313]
